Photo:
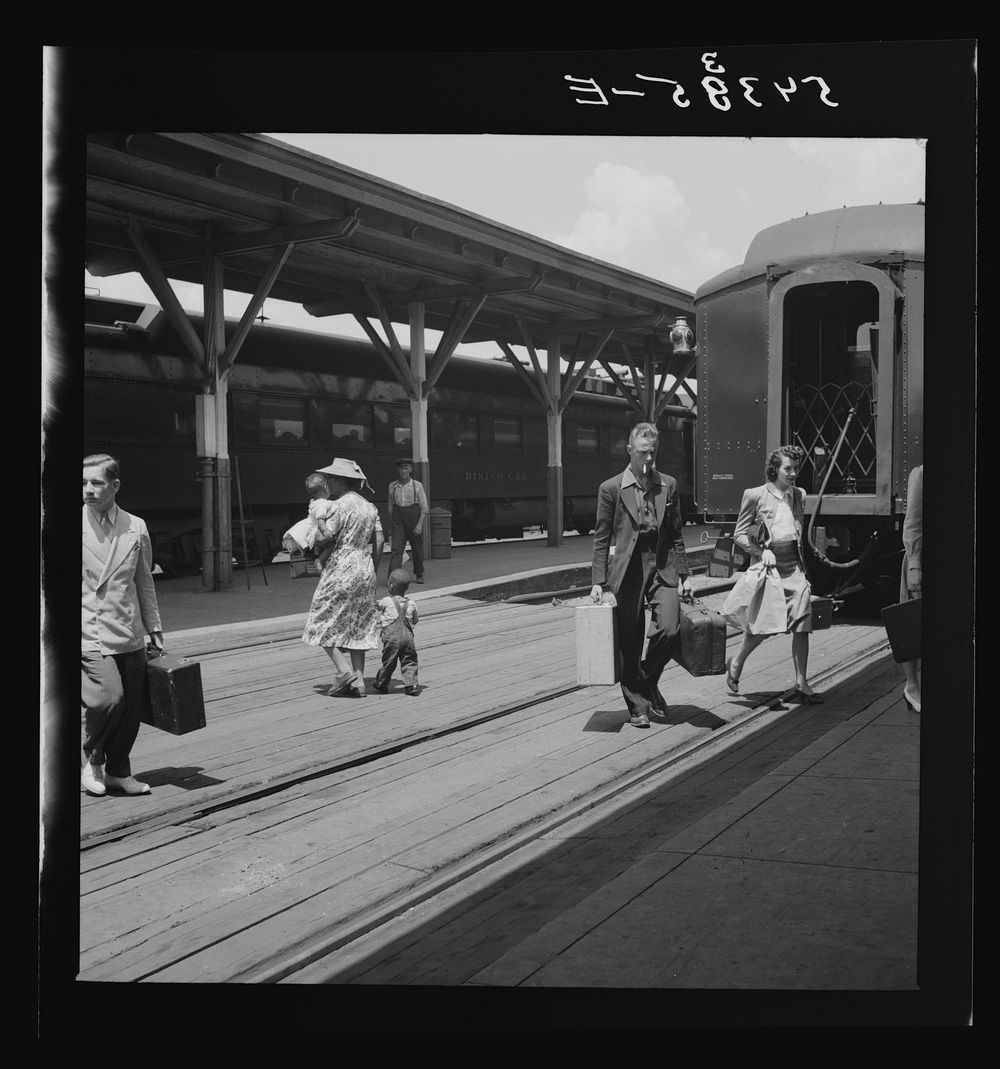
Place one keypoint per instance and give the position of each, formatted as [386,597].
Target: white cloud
[629,214]
[863,170]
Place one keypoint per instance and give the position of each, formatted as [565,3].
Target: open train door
[833,345]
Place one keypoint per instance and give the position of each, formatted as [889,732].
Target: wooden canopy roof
[350,243]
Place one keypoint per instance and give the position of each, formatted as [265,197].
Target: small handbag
[902,625]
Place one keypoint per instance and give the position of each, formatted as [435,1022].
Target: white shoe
[127,784]
[92,779]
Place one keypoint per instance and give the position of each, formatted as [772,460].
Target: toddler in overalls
[398,614]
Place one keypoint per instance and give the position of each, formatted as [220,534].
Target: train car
[816,339]
[298,398]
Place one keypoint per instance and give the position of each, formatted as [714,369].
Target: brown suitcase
[174,700]
[702,648]
[903,626]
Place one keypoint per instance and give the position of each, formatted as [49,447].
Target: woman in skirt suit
[779,508]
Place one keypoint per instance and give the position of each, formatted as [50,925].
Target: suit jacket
[759,506]
[119,597]
[618,525]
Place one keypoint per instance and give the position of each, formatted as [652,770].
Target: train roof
[866,233]
[132,325]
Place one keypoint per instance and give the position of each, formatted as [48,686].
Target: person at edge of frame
[408,512]
[119,611]
[639,513]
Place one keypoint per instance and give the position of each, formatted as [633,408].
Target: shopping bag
[702,647]
[902,625]
[596,645]
[756,604]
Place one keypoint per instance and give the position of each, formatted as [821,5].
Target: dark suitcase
[822,613]
[902,625]
[702,648]
[174,700]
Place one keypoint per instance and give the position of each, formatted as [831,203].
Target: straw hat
[346,469]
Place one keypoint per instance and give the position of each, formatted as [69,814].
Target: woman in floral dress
[343,617]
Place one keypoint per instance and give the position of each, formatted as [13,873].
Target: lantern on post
[681,336]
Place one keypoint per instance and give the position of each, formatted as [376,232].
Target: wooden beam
[570,326]
[550,400]
[640,393]
[573,382]
[522,371]
[256,302]
[400,371]
[459,291]
[157,281]
[456,332]
[390,334]
[679,378]
[296,234]
[622,388]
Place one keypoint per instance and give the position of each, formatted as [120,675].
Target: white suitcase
[596,648]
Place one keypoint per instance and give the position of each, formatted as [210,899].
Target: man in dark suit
[639,516]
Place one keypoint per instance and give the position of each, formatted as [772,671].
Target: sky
[676,209]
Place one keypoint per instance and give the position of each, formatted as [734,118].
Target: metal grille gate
[818,414]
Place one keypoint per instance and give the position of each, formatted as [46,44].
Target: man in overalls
[408,511]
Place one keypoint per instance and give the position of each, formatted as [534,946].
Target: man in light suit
[119,610]
[639,513]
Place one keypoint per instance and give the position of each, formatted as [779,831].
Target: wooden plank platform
[241,892]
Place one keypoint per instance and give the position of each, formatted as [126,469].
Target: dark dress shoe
[639,720]
[659,706]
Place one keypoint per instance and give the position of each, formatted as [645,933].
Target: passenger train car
[816,339]
[299,398]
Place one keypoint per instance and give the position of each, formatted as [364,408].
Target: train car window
[617,442]
[392,427]
[126,411]
[583,438]
[451,431]
[535,436]
[183,406]
[507,437]
[350,425]
[402,428]
[282,420]
[245,421]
